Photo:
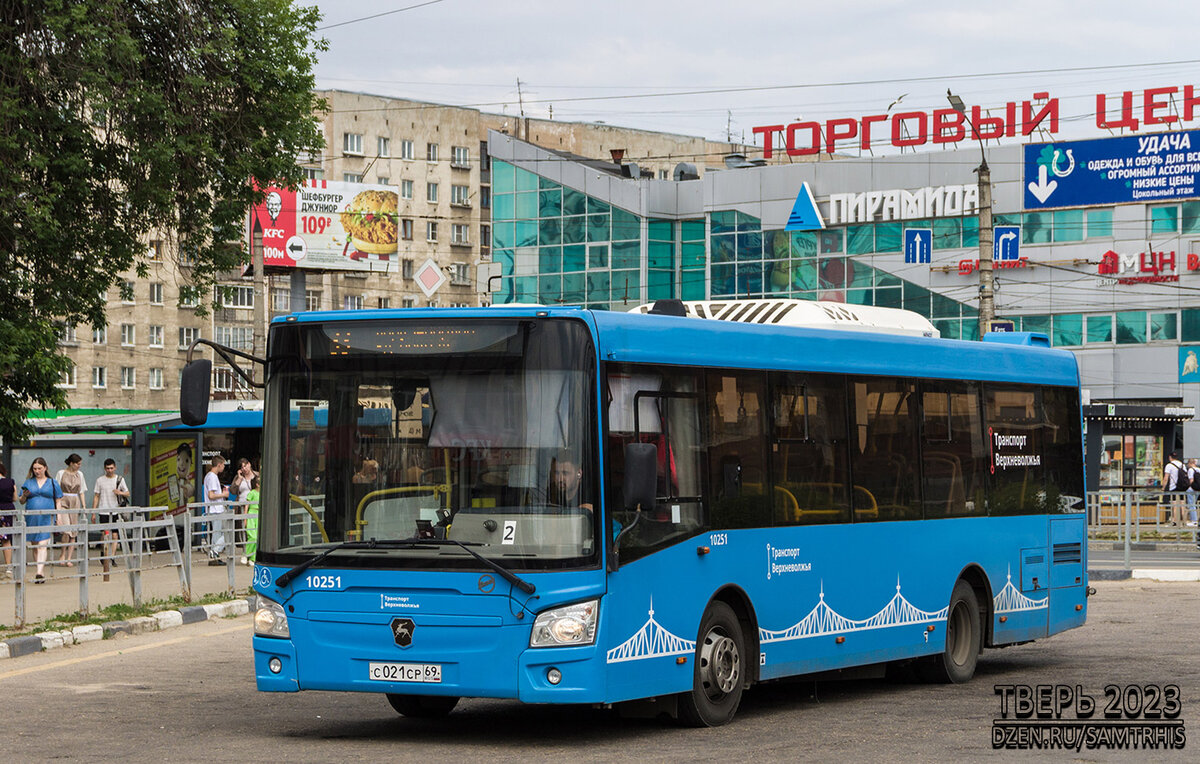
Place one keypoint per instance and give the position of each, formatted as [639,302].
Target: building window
[408,302]
[314,173]
[100,335]
[460,233]
[312,299]
[127,292]
[156,293]
[385,180]
[352,302]
[485,236]
[460,195]
[67,334]
[127,335]
[460,156]
[67,379]
[406,268]
[406,229]
[485,197]
[128,378]
[156,336]
[385,146]
[188,297]
[156,379]
[460,275]
[406,149]
[99,377]
[223,380]
[406,189]
[352,143]
[431,152]
[281,300]
[385,303]
[236,337]
[236,296]
[352,177]
[188,335]
[431,192]
[187,257]
[156,251]
[664,175]
[431,231]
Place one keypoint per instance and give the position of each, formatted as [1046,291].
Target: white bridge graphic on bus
[654,641]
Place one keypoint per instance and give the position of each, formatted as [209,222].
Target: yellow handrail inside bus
[442,491]
[317,520]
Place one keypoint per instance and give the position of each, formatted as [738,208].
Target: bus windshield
[476,431]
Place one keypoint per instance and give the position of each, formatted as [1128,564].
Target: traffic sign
[918,245]
[296,248]
[1134,168]
[1006,243]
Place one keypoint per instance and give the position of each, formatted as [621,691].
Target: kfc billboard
[328,226]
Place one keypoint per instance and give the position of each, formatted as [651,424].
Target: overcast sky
[809,60]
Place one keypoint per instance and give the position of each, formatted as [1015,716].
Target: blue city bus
[562,505]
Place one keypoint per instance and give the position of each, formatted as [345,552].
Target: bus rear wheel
[720,670]
[964,632]
[422,706]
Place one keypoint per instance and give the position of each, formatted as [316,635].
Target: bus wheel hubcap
[720,664]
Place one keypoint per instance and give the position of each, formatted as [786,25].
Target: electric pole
[987,293]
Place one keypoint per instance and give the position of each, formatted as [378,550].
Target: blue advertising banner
[1134,168]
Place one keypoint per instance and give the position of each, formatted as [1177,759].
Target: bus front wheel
[720,670]
[422,706]
[964,636]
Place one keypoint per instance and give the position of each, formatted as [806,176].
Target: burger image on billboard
[370,222]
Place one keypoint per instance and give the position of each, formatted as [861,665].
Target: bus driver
[566,483]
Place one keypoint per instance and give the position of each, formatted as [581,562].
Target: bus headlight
[569,625]
[270,620]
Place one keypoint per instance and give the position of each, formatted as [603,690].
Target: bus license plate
[405,672]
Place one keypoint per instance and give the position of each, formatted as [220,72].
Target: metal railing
[1130,516]
[142,544]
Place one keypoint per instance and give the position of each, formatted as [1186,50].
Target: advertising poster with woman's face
[172,474]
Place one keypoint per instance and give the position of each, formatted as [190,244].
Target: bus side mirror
[194,392]
[641,475]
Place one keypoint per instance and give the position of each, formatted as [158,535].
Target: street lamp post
[987,300]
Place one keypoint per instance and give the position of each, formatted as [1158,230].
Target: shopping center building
[1115,282]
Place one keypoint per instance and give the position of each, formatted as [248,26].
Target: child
[251,523]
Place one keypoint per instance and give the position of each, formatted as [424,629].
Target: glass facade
[557,245]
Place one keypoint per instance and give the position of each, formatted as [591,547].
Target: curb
[166,619]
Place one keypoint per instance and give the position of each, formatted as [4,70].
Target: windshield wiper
[504,572]
[287,577]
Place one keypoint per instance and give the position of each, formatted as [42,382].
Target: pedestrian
[240,488]
[1193,476]
[42,497]
[215,496]
[109,493]
[1171,485]
[251,523]
[8,509]
[74,488]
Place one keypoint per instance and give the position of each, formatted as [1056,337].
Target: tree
[122,119]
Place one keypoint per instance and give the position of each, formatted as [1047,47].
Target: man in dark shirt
[566,483]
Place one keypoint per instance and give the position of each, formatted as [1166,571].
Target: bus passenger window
[812,476]
[884,449]
[736,441]
[1015,419]
[953,454]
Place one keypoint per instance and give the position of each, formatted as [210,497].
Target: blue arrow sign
[1112,170]
[1006,243]
[805,215]
[918,245]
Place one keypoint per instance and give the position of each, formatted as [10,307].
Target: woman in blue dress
[40,493]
